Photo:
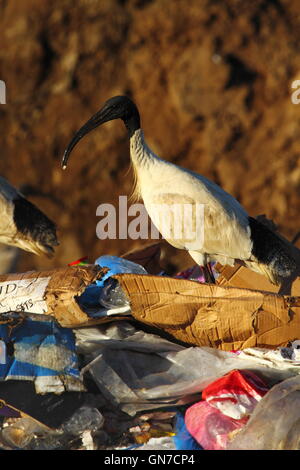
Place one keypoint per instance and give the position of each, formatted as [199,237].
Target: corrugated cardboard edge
[240,276]
[64,286]
[227,318]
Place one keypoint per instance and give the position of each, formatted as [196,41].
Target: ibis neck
[140,153]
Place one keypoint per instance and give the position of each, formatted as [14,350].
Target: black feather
[269,249]
[31,222]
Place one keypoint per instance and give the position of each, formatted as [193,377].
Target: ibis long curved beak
[117,107]
[96,120]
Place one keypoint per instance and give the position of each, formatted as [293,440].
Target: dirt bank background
[212,81]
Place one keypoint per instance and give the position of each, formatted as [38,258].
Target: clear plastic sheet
[275,422]
[141,371]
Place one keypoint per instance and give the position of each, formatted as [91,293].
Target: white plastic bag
[141,371]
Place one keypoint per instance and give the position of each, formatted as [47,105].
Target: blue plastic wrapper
[183,439]
[115,265]
[41,351]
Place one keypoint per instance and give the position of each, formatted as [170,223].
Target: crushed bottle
[112,295]
[84,419]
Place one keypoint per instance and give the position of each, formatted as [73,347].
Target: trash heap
[118,355]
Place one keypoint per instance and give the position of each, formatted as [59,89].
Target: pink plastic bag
[228,403]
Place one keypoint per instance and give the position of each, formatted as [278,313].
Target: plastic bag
[112,295]
[275,422]
[236,394]
[107,292]
[228,403]
[210,427]
[141,371]
[183,440]
[117,265]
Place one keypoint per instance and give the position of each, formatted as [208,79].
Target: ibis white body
[226,228]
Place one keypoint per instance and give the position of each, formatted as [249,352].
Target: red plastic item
[227,404]
[210,427]
[236,394]
[80,261]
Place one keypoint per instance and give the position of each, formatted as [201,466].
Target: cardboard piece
[227,318]
[50,293]
[240,276]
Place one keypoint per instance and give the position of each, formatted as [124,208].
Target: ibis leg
[208,274]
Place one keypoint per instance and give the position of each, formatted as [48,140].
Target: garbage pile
[118,355]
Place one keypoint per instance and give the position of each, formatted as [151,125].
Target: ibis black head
[118,107]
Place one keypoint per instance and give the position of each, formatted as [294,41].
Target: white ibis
[22,224]
[229,233]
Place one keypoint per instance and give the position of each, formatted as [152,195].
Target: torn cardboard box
[227,318]
[240,276]
[52,293]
